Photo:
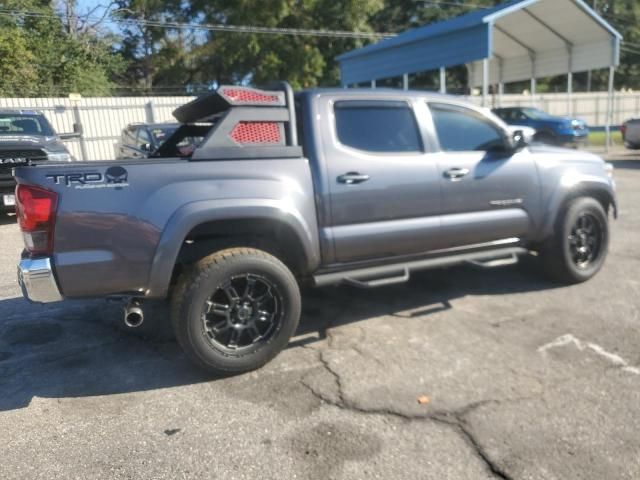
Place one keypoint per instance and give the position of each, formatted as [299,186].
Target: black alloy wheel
[585,240]
[241,313]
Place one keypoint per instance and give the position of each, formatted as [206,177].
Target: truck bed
[116,221]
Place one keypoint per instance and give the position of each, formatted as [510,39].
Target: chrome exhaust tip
[133,314]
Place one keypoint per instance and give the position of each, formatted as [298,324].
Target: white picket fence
[103,118]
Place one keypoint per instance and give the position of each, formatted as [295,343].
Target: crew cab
[26,136]
[325,187]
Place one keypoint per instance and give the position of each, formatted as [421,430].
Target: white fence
[590,107]
[102,119]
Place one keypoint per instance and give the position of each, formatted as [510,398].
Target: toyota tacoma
[326,187]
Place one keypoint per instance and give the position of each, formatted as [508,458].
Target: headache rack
[238,122]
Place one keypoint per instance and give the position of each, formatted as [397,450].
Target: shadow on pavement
[627,163]
[79,348]
[7,218]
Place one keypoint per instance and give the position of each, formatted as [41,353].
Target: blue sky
[85,6]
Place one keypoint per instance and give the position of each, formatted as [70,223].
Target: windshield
[160,134]
[24,124]
[535,114]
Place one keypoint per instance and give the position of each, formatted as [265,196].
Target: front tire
[546,138]
[235,310]
[579,246]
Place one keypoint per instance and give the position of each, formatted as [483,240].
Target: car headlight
[59,157]
[608,168]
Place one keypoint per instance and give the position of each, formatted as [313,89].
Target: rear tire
[579,246]
[235,310]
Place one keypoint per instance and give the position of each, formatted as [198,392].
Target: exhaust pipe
[133,314]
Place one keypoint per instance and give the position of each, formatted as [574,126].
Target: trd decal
[115,177]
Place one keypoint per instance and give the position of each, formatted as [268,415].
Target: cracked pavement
[525,380]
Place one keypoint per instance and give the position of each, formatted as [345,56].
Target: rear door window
[377,126]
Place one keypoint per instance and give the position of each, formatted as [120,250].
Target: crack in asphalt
[452,419]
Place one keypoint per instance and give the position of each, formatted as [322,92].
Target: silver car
[631,133]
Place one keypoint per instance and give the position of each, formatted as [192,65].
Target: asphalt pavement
[459,374]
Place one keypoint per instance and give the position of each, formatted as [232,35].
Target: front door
[488,195]
[383,187]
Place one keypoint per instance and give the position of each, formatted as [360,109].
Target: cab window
[461,129]
[377,126]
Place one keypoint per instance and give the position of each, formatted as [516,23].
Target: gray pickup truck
[340,186]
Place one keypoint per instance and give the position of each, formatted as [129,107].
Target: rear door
[487,196]
[382,180]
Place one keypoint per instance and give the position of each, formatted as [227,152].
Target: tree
[42,59]
[304,61]
[160,56]
[17,71]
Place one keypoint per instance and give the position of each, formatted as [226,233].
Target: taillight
[623,129]
[36,211]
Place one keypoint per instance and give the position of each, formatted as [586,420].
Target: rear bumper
[36,279]
[7,187]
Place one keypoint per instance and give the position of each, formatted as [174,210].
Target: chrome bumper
[36,279]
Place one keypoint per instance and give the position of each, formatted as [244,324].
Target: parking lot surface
[459,374]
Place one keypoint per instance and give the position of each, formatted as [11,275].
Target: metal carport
[515,41]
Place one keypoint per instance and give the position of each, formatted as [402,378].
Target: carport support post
[610,107]
[500,82]
[485,81]
[533,92]
[570,94]
[405,81]
[373,83]
[443,80]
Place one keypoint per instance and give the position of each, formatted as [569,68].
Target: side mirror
[145,147]
[519,140]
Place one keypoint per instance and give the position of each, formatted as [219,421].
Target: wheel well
[276,238]
[600,195]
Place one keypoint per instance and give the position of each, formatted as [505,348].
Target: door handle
[454,174]
[352,178]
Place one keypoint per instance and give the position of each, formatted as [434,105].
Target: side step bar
[398,273]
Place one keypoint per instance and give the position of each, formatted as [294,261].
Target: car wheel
[546,138]
[579,246]
[235,310]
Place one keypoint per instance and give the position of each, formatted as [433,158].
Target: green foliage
[38,58]
[17,71]
[304,61]
[45,56]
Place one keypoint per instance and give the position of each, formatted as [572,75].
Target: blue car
[562,131]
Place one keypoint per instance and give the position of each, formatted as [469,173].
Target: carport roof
[522,38]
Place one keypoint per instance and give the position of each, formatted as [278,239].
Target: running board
[496,262]
[398,273]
